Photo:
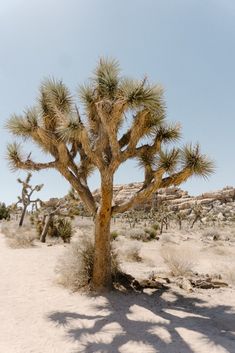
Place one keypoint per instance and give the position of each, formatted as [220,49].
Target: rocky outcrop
[173,196]
[217,205]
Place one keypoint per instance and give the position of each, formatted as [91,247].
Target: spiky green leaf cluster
[86,94]
[168,160]
[23,126]
[146,160]
[141,94]
[54,94]
[167,132]
[197,162]
[107,77]
[14,155]
[70,129]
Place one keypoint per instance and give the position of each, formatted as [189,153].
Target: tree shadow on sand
[149,323]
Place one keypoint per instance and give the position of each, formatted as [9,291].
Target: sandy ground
[38,316]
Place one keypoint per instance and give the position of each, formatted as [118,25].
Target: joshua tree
[26,194]
[97,139]
[50,209]
[163,216]
[198,214]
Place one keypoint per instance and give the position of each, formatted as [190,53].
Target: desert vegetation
[174,271]
[19,237]
[80,142]
[26,196]
[4,211]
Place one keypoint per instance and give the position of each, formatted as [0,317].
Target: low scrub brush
[75,268]
[18,237]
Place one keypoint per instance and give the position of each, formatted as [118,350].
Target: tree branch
[30,165]
[82,189]
[144,194]
[110,126]
[176,178]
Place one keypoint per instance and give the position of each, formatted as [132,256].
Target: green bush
[4,211]
[150,234]
[64,229]
[114,235]
[59,228]
[155,226]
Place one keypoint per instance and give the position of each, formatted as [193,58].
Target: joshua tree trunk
[45,229]
[23,215]
[102,278]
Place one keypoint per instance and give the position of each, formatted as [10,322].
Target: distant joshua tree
[60,208]
[26,194]
[97,139]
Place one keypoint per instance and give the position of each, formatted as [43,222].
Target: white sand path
[37,316]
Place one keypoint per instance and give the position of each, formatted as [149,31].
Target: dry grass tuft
[19,237]
[212,233]
[179,260]
[76,266]
[132,252]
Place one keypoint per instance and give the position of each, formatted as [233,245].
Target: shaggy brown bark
[45,229]
[102,258]
[23,215]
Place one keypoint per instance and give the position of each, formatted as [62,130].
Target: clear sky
[186,45]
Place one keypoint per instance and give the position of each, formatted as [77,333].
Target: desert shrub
[155,226]
[4,211]
[132,253]
[59,228]
[75,268]
[18,237]
[139,234]
[64,229]
[39,227]
[114,235]
[53,230]
[135,234]
[25,240]
[32,219]
[150,234]
[179,260]
[212,233]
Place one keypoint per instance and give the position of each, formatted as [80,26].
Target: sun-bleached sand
[39,316]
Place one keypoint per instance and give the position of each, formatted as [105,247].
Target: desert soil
[39,316]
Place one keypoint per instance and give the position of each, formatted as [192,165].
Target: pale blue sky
[186,45]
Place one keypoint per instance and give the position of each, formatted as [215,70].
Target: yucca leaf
[86,94]
[167,132]
[197,162]
[107,77]
[168,160]
[20,125]
[70,129]
[140,94]
[14,155]
[146,159]
[54,94]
